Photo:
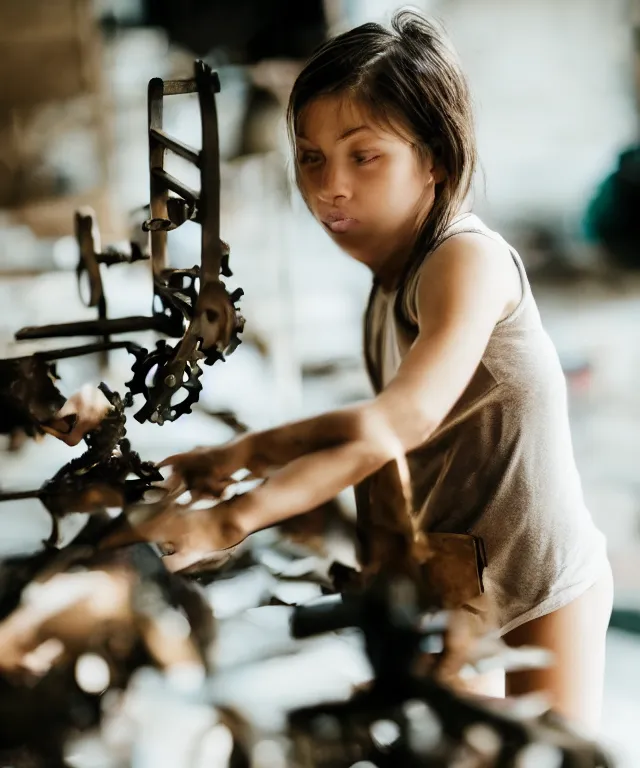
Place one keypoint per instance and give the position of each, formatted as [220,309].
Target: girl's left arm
[465,288]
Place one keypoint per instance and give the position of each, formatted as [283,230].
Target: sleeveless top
[501,464]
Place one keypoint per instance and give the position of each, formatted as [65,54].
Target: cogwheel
[158,389]
[235,340]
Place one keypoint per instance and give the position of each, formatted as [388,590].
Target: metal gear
[223,305]
[158,386]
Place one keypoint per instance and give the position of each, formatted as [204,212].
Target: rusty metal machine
[190,305]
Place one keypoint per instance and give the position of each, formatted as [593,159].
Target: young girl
[469,384]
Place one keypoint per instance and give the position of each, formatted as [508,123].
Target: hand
[185,535]
[89,406]
[207,472]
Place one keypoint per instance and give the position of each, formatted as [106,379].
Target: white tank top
[501,464]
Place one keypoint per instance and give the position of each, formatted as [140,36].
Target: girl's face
[364,183]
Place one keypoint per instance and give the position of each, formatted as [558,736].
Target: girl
[469,384]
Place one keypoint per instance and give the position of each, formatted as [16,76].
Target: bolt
[170,381]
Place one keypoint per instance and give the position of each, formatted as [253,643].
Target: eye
[308,157]
[364,158]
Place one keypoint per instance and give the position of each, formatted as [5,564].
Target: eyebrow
[343,136]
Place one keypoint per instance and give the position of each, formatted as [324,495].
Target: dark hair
[410,75]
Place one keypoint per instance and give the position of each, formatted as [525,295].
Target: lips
[338,223]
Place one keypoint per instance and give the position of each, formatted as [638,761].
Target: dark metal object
[28,394]
[213,319]
[436,732]
[101,477]
[191,305]
[95,328]
[29,397]
[152,377]
[37,719]
[91,256]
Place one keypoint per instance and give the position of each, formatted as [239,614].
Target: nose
[334,184]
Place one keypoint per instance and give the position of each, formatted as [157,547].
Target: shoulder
[465,251]
[468,268]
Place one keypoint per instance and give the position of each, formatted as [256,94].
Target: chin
[364,257]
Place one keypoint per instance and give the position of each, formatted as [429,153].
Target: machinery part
[153,378]
[214,323]
[121,607]
[175,296]
[192,305]
[92,256]
[88,239]
[101,476]
[178,211]
[106,327]
[28,393]
[159,375]
[429,723]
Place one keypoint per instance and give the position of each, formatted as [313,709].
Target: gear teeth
[213,357]
[224,266]
[154,394]
[140,355]
[234,343]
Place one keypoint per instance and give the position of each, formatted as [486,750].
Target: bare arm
[463,292]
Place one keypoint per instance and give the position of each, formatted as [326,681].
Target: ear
[436,174]
[439,173]
[436,167]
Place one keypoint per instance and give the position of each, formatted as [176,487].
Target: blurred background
[556,91]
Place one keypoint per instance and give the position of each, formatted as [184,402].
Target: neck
[389,269]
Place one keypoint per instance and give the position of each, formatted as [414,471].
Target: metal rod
[88,349]
[177,87]
[175,185]
[209,209]
[175,145]
[19,495]
[95,328]
[157,191]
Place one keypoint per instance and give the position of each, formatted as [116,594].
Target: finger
[89,402]
[81,427]
[74,437]
[63,425]
[210,487]
[171,483]
[64,437]
[53,432]
[200,454]
[175,460]
[60,427]
[68,409]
